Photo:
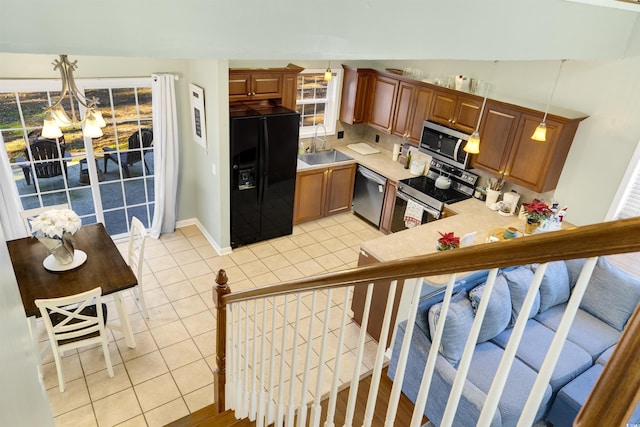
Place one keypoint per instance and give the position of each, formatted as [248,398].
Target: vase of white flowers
[54,229]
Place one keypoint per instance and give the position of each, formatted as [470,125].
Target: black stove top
[427,186]
[423,188]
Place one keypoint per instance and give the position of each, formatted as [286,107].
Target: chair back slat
[135,155]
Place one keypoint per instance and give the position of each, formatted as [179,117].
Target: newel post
[221,339]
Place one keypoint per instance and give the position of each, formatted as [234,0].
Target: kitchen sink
[324,157]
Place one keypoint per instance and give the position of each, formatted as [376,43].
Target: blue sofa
[609,301]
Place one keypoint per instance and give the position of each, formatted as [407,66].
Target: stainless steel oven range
[444,183]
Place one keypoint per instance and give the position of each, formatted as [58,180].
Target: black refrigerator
[263,153]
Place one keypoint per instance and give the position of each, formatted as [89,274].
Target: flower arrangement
[447,241]
[537,211]
[55,223]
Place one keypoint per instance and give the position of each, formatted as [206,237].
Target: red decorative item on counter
[448,241]
[537,210]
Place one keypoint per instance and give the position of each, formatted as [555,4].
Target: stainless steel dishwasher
[368,195]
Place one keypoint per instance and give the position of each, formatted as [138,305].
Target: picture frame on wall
[198,123]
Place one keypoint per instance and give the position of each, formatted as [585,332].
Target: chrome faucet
[314,141]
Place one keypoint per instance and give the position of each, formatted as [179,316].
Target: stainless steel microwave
[444,144]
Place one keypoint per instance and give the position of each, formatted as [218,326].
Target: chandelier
[55,116]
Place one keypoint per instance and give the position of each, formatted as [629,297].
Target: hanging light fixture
[473,143]
[328,74]
[55,115]
[540,134]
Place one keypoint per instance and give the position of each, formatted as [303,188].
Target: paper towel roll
[396,152]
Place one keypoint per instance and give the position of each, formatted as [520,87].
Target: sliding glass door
[108,179]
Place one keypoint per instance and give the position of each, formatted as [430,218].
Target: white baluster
[294,366]
[423,393]
[229,369]
[237,366]
[550,360]
[302,411]
[245,370]
[263,352]
[500,378]
[355,380]
[465,360]
[272,362]
[331,409]
[253,392]
[379,362]
[280,403]
[316,409]
[394,399]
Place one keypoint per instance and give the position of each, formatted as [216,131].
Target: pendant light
[328,74]
[55,116]
[540,134]
[473,143]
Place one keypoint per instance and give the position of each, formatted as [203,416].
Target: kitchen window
[317,101]
[626,204]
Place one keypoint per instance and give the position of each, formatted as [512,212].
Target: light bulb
[328,75]
[540,134]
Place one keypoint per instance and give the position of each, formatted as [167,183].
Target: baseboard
[210,239]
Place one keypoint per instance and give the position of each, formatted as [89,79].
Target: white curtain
[165,136]
[10,205]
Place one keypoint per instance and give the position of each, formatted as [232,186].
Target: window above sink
[317,100]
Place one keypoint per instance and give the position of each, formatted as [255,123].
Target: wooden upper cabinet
[412,109]
[456,111]
[355,95]
[383,102]
[534,164]
[404,107]
[497,131]
[506,147]
[277,85]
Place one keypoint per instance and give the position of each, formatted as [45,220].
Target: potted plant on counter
[447,241]
[536,213]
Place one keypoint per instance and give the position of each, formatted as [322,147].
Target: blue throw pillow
[574,267]
[456,327]
[498,314]
[554,288]
[611,294]
[519,281]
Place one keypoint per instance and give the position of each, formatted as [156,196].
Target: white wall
[23,400]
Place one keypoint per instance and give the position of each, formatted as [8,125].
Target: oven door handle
[433,212]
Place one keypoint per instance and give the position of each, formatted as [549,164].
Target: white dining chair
[137,239]
[29,214]
[75,321]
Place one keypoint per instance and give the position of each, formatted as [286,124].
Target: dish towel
[412,214]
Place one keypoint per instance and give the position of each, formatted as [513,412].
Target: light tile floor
[170,372]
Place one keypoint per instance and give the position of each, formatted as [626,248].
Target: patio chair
[128,158]
[75,321]
[45,158]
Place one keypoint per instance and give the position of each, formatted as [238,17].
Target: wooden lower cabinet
[323,192]
[378,301]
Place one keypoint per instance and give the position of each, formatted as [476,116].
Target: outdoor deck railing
[263,376]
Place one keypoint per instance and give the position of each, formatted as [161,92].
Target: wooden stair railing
[615,392]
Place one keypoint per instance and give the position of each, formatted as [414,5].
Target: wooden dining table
[105,267]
